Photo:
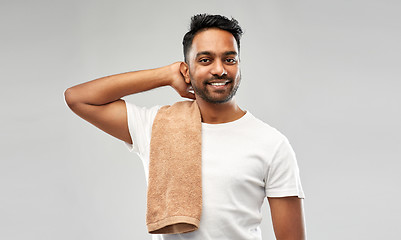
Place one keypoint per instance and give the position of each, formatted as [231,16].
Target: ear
[184,69]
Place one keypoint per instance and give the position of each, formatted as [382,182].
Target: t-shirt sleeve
[140,121]
[283,179]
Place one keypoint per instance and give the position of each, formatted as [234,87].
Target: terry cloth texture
[174,197]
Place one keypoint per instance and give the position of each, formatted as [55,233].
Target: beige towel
[174,198]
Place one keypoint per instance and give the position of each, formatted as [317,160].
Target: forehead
[213,40]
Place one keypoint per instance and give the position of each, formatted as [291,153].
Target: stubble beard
[204,93]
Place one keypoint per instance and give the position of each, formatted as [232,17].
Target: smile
[219,83]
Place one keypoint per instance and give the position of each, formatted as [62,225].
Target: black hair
[204,21]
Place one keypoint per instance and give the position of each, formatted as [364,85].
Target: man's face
[214,65]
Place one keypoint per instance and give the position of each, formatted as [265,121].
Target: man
[243,159]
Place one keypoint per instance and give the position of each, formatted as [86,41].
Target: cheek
[235,71]
[198,72]
[239,74]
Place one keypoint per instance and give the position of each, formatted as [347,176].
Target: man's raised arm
[98,101]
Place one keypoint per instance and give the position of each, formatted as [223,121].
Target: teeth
[217,84]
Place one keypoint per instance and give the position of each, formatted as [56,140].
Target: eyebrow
[212,54]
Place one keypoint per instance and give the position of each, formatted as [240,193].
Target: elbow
[70,100]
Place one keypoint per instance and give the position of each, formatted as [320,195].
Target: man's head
[203,22]
[211,50]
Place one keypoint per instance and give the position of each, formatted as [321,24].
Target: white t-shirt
[243,162]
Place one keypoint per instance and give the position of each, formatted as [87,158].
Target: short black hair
[205,21]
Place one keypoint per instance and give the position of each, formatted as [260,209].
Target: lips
[219,86]
[218,82]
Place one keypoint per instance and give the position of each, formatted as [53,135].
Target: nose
[218,68]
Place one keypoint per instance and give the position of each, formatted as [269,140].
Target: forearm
[111,88]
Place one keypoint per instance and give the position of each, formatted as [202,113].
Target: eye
[204,60]
[231,60]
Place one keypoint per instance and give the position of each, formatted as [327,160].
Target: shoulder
[138,114]
[264,129]
[133,109]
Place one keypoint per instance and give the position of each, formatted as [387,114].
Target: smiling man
[244,160]
[212,69]
[209,48]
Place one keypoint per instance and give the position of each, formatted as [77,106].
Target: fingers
[190,92]
[186,92]
[188,95]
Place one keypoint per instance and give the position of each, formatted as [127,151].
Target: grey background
[325,73]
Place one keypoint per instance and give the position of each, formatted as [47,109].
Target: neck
[215,113]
